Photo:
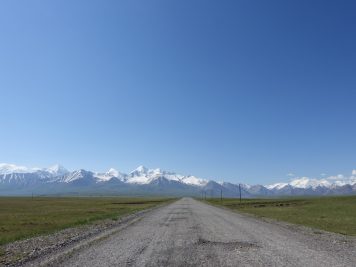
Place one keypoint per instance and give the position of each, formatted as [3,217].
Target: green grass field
[334,214]
[22,217]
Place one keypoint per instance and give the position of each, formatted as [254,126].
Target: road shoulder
[41,250]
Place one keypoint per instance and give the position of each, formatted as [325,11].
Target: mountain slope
[19,180]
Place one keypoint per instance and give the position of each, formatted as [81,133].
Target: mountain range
[57,180]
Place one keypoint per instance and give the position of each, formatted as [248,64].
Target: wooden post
[240,191]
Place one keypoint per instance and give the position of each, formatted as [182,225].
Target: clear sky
[232,90]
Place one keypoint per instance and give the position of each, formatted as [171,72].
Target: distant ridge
[20,180]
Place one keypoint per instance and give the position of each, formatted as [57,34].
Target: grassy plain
[334,214]
[22,217]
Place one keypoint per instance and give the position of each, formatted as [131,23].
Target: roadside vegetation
[334,214]
[23,217]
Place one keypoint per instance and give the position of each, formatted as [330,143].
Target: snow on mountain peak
[276,186]
[142,175]
[57,169]
[192,180]
[76,175]
[328,182]
[11,174]
[110,174]
[157,171]
[6,168]
[139,170]
[113,172]
[305,182]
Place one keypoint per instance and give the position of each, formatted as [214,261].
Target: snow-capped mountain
[12,168]
[111,174]
[311,183]
[192,180]
[142,175]
[77,176]
[56,170]
[142,181]
[14,175]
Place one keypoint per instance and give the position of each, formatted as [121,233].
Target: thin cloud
[336,177]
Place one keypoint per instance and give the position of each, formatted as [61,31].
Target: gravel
[192,233]
[188,233]
[24,252]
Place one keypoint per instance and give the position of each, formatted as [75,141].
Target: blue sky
[232,90]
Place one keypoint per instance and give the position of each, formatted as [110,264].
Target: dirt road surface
[191,233]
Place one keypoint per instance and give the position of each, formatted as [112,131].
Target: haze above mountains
[57,180]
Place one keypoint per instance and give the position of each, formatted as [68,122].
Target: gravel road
[191,233]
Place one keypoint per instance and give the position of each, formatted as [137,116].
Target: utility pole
[240,191]
[221,195]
